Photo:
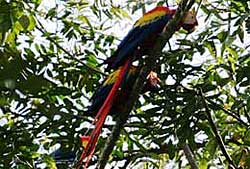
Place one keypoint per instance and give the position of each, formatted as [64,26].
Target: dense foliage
[49,68]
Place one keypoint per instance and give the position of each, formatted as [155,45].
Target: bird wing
[148,26]
[101,94]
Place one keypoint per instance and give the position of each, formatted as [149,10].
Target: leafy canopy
[49,58]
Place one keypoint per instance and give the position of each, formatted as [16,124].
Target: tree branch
[149,65]
[228,112]
[190,157]
[215,131]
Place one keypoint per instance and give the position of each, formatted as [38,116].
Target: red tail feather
[100,118]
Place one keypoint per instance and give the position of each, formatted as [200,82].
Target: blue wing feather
[135,38]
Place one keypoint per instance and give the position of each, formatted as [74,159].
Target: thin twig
[199,5]
[143,7]
[215,131]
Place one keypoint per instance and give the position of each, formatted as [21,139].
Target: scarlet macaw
[138,42]
[121,96]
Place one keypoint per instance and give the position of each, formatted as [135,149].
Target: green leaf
[233,53]
[49,161]
[222,36]
[171,150]
[11,39]
[223,81]
[211,47]
[33,84]
[32,23]
[5,16]
[24,21]
[240,32]
[85,19]
[246,138]
[118,11]
[203,164]
[212,147]
[51,13]
[208,87]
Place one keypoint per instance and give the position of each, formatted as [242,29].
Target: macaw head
[189,21]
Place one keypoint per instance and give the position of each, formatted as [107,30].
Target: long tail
[100,119]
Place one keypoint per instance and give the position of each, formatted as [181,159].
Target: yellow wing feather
[113,76]
[149,17]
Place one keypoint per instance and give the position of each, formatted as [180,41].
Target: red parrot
[100,96]
[138,42]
